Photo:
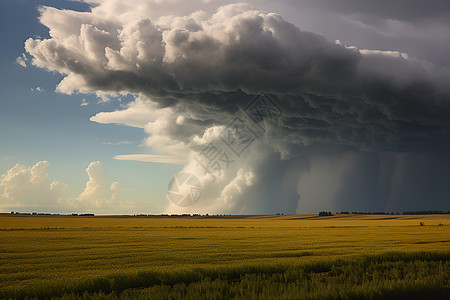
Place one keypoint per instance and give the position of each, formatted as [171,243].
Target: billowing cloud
[193,74]
[331,92]
[97,195]
[28,189]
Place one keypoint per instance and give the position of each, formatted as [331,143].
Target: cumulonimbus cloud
[192,73]
[205,66]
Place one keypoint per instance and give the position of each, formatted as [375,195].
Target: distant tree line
[48,214]
[321,214]
[420,212]
[427,212]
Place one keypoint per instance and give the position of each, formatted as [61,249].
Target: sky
[262,107]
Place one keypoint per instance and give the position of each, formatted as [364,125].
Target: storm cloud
[192,74]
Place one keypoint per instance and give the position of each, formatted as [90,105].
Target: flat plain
[251,257]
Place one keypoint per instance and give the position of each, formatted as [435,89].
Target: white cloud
[163,159]
[138,113]
[84,102]
[37,89]
[167,134]
[231,193]
[118,143]
[22,60]
[98,195]
[28,189]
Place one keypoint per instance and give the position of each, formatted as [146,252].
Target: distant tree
[325,213]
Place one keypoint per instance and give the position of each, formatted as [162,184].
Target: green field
[253,257]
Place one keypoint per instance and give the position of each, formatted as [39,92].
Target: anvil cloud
[192,73]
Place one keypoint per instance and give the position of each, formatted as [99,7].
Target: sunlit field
[256,257]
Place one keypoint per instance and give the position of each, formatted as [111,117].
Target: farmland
[293,256]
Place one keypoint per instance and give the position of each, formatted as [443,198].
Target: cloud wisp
[162,159]
[22,60]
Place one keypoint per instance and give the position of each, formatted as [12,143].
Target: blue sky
[48,126]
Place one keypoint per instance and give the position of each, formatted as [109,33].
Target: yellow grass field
[112,257]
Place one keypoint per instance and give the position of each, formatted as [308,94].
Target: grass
[342,257]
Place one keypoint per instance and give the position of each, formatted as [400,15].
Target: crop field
[245,257]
